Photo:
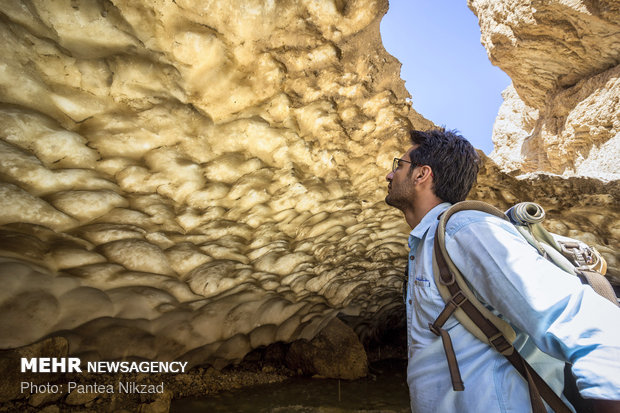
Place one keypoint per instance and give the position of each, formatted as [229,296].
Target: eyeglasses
[397,162]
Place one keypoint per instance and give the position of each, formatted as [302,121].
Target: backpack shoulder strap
[599,284]
[477,319]
[456,277]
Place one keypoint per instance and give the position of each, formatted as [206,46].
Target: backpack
[570,255]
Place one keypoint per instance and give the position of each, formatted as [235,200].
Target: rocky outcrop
[560,115]
[335,352]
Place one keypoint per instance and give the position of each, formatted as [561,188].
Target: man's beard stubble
[395,199]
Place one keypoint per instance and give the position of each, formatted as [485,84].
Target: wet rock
[335,352]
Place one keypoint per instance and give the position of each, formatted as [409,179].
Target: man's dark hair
[452,158]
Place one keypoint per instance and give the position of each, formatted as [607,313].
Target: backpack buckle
[582,256]
[500,344]
[457,299]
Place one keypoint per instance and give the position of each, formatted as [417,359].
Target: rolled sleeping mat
[530,215]
[526,213]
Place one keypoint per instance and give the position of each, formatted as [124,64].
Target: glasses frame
[395,163]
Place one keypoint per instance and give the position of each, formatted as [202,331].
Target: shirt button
[410,302]
[411,257]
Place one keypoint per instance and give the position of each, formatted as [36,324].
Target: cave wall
[561,113]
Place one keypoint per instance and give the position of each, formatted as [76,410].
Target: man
[549,309]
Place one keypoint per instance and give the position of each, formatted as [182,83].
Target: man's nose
[389,176]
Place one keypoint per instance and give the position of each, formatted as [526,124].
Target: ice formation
[193,180]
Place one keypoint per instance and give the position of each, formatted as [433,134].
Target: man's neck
[414,215]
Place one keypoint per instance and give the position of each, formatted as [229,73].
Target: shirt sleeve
[565,318]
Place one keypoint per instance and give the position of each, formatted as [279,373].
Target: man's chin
[394,202]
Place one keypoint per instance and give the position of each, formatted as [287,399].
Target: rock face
[335,352]
[561,113]
[194,179]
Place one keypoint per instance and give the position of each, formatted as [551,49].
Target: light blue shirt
[549,309]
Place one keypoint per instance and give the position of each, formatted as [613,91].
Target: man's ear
[425,173]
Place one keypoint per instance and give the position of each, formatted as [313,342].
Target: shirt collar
[429,219]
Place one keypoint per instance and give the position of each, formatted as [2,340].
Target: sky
[444,65]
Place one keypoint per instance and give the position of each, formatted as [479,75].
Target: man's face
[400,187]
